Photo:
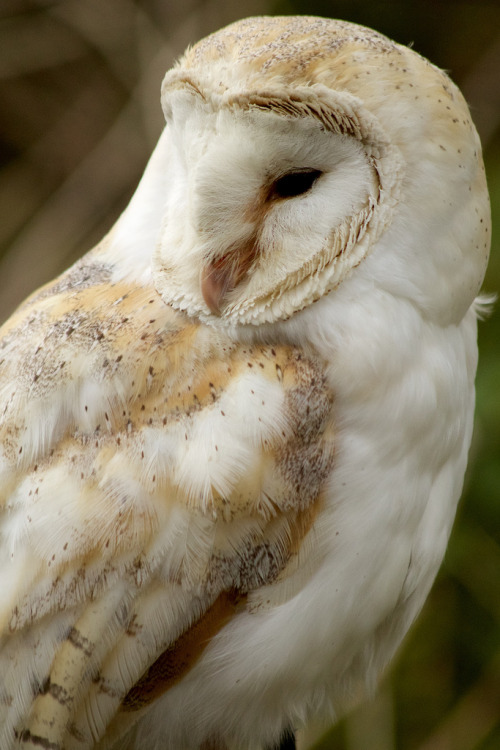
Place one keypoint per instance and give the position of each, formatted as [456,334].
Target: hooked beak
[221,276]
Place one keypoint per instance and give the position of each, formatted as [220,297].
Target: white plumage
[235,433]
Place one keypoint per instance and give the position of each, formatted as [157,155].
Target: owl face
[266,210]
[290,160]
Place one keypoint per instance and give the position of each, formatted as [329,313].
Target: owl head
[301,153]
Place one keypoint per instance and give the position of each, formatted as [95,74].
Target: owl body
[234,434]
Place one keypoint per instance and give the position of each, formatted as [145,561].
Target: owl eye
[294,183]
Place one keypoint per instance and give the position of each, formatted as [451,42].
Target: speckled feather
[127,400]
[222,505]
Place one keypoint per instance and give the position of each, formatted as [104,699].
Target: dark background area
[79,116]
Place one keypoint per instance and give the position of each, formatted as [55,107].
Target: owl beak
[216,282]
[219,277]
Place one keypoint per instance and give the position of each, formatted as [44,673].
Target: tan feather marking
[179,658]
[295,106]
[182,655]
[53,707]
[27,739]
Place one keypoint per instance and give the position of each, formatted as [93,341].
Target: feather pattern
[145,516]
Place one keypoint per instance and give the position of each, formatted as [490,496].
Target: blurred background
[79,116]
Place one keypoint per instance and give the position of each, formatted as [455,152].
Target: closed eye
[294,183]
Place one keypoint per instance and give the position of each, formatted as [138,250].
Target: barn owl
[234,434]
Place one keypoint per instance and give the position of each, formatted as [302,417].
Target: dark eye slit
[294,183]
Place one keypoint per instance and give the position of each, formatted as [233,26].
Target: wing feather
[155,476]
